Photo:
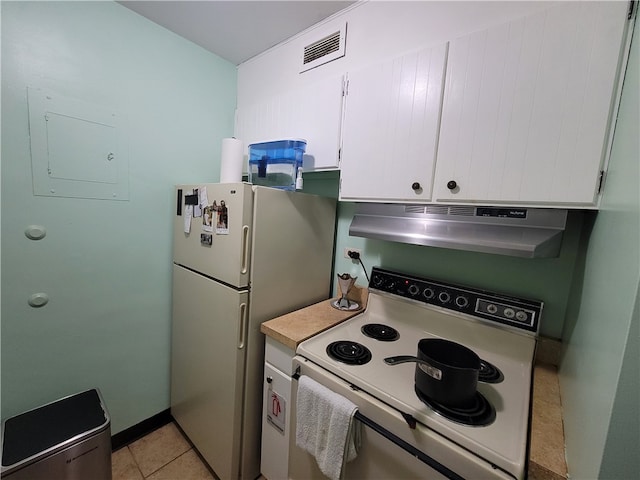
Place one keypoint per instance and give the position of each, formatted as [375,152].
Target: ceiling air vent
[326,49]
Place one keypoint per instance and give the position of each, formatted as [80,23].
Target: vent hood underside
[519,232]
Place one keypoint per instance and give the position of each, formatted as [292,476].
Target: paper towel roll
[231,160]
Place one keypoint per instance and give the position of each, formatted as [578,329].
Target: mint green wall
[624,429]
[106,265]
[547,279]
[598,379]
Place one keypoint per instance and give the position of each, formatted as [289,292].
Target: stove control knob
[378,280]
[509,312]
[428,293]
[491,308]
[521,316]
[462,302]
[444,297]
[391,285]
[414,290]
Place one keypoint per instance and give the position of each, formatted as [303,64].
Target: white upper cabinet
[527,107]
[312,113]
[390,133]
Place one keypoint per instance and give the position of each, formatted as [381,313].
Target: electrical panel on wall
[78,149]
[329,46]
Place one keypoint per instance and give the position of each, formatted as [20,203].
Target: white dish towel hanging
[325,426]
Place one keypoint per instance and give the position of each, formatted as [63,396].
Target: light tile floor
[163,454]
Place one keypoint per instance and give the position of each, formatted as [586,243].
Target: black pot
[446,372]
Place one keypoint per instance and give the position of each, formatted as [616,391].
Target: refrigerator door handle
[245,249]
[243,326]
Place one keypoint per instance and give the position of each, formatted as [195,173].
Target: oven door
[389,448]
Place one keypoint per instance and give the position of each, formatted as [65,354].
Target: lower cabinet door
[275,424]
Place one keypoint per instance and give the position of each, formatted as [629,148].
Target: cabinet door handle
[269,379]
[415,186]
[452,185]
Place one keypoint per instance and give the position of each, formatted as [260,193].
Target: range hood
[519,232]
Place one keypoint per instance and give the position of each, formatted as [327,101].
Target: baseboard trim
[141,429]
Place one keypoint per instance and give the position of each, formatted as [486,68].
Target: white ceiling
[236,30]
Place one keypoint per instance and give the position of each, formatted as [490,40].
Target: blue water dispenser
[275,164]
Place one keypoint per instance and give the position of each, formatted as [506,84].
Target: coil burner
[351,353]
[380,332]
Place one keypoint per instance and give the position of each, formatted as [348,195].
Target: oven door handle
[407,416]
[423,457]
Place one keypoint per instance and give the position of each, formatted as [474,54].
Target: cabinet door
[312,113]
[527,107]
[390,132]
[274,461]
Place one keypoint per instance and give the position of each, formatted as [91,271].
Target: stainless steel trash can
[67,439]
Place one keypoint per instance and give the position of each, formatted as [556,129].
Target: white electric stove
[487,439]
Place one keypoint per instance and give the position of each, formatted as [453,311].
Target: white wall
[376,30]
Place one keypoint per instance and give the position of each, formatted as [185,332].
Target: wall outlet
[350,249]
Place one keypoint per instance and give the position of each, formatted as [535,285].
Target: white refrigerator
[242,255]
